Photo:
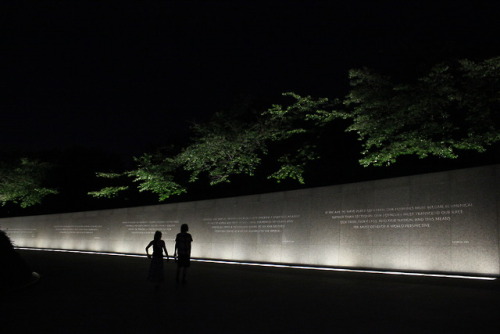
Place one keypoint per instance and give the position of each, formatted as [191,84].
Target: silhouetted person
[14,271]
[156,274]
[183,249]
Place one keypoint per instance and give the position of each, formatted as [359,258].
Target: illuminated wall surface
[446,222]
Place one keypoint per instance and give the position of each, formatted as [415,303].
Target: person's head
[5,243]
[184,228]
[157,235]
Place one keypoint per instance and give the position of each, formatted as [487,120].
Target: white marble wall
[446,222]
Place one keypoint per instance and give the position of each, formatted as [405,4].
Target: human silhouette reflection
[183,249]
[156,274]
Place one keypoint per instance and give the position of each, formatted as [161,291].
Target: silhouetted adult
[14,271]
[183,249]
[156,274]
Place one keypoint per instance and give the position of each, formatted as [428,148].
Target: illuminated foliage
[227,146]
[222,148]
[293,166]
[155,173]
[108,192]
[297,129]
[289,120]
[111,191]
[453,107]
[21,182]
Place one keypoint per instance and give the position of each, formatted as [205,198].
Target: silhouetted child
[183,249]
[156,274]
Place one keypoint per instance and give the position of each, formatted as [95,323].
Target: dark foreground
[108,294]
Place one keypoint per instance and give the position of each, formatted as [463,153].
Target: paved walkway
[81,293]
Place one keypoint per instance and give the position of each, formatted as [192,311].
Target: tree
[228,145]
[453,107]
[219,149]
[21,182]
[224,147]
[231,143]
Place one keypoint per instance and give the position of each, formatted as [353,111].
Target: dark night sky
[127,75]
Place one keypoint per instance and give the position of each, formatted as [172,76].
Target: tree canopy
[452,108]
[21,182]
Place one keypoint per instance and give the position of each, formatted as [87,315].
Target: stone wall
[445,222]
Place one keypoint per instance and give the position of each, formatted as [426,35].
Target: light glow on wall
[399,273]
[444,222]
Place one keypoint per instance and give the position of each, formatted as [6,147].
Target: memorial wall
[445,222]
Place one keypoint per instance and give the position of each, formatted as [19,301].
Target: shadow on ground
[81,293]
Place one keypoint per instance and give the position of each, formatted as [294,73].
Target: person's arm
[147,249]
[190,241]
[165,249]
[175,250]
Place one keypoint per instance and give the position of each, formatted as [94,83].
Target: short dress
[156,274]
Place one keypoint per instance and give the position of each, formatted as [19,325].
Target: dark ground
[108,294]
